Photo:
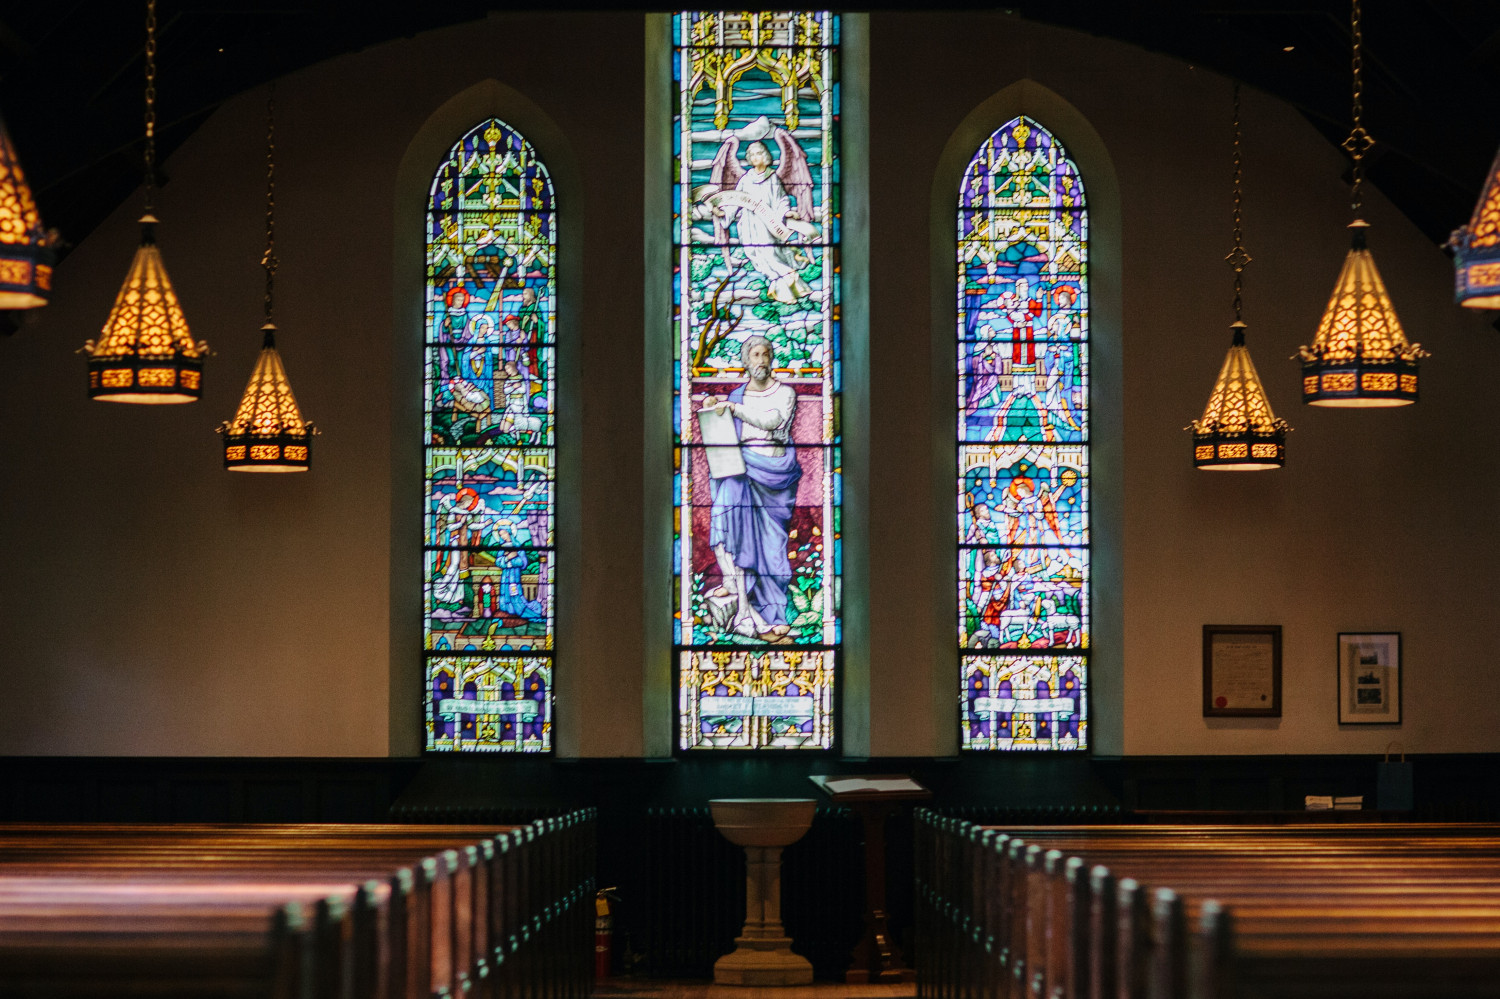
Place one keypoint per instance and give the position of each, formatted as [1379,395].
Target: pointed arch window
[489,445]
[756,327]
[1023,444]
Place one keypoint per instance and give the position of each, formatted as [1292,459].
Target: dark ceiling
[71,77]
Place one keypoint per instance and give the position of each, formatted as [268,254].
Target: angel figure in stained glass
[1028,512]
[463,522]
[768,203]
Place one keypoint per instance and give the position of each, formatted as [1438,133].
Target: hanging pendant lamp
[268,433]
[1360,356]
[145,353]
[1238,432]
[1476,257]
[26,249]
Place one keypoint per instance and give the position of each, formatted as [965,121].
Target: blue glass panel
[1023,431]
[755,293]
[489,405]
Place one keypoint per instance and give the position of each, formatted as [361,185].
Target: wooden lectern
[874,800]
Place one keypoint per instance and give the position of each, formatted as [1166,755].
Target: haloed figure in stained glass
[753,507]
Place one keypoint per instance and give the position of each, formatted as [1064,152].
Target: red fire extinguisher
[603,932]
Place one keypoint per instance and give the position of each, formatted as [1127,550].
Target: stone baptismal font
[763,952]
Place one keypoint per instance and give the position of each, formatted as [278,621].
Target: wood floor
[651,988]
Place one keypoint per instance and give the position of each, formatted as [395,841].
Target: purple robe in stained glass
[751,514]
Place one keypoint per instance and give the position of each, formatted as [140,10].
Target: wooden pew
[298,910]
[239,863]
[1419,912]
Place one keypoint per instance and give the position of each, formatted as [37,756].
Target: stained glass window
[756,367]
[490,461]
[1023,444]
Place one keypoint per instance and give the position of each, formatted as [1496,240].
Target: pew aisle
[1405,911]
[298,911]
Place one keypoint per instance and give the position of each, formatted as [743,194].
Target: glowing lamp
[145,353]
[26,255]
[1238,432]
[1476,256]
[268,433]
[1360,356]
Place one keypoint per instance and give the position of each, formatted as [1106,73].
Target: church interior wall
[156,606]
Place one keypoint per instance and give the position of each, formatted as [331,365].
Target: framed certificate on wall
[1370,678]
[1242,671]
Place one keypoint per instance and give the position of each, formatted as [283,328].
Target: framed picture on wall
[1370,678]
[1242,671]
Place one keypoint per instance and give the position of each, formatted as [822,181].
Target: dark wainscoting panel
[152,789]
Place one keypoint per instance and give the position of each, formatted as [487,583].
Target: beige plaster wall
[152,603]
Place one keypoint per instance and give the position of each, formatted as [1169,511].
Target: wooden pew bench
[334,878]
[1053,913]
[296,910]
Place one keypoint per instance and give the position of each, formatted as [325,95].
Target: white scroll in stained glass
[756,378]
[1023,445]
[488,606]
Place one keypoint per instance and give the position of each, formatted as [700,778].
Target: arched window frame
[660,726]
[1023,443]
[489,435]
[431,143]
[1087,149]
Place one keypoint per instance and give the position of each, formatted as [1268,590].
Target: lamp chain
[269,260]
[1359,142]
[1237,257]
[150,103]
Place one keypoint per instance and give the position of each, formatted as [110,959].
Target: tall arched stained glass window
[1023,444]
[490,343]
[756,328]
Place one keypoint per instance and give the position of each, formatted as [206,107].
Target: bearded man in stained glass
[752,510]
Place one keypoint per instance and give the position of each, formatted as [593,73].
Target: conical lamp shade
[1238,431]
[1361,356]
[25,248]
[1476,257]
[268,433]
[145,353]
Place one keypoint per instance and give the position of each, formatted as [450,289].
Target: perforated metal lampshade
[145,353]
[26,255]
[268,433]
[1238,432]
[1476,257]
[1361,356]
